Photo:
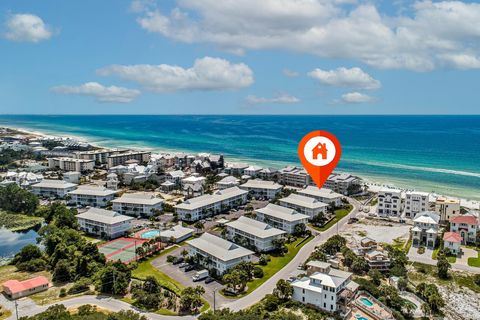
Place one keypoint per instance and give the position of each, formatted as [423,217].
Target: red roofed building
[467,226]
[16,289]
[452,241]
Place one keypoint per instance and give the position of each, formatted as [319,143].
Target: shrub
[83,284]
[258,272]
[63,293]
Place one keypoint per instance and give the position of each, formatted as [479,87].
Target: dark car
[189,268]
[178,260]
[209,280]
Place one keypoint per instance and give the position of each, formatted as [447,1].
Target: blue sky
[239,57]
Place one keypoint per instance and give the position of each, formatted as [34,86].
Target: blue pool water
[366,302]
[359,317]
[150,234]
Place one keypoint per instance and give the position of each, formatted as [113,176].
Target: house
[452,242]
[105,223]
[53,188]
[253,233]
[228,182]
[467,226]
[175,176]
[389,203]
[323,195]
[15,289]
[343,183]
[215,253]
[447,208]
[23,179]
[211,204]
[294,176]
[193,186]
[262,188]
[377,260]
[280,217]
[315,266]
[320,150]
[177,232]
[367,244]
[305,205]
[415,202]
[425,229]
[112,181]
[252,171]
[71,164]
[91,195]
[139,204]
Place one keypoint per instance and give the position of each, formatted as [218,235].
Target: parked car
[189,268]
[183,265]
[178,260]
[209,280]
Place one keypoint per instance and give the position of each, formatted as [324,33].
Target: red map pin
[319,151]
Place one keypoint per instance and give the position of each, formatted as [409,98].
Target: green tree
[283,290]
[190,298]
[376,276]
[62,271]
[443,266]
[15,199]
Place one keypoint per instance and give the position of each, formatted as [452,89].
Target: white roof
[208,199]
[282,213]
[176,174]
[147,198]
[318,264]
[304,201]
[417,193]
[416,229]
[103,216]
[193,179]
[57,184]
[328,280]
[261,184]
[168,183]
[313,191]
[429,217]
[228,180]
[178,231]
[93,190]
[253,168]
[219,248]
[254,227]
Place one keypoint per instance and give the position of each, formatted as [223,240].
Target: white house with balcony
[91,195]
[425,229]
[323,195]
[228,182]
[53,188]
[305,205]
[104,223]
[415,202]
[137,204]
[262,188]
[280,217]
[258,235]
[389,203]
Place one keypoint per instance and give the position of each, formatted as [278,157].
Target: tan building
[447,208]
[71,164]
[114,160]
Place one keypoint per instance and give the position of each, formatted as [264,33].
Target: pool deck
[138,234]
[377,311]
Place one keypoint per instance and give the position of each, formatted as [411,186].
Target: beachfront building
[389,203]
[71,164]
[99,156]
[217,254]
[252,171]
[138,204]
[15,289]
[280,217]
[425,229]
[344,183]
[415,202]
[235,169]
[104,223]
[253,234]
[211,204]
[467,226]
[294,176]
[91,195]
[323,195]
[447,208]
[305,205]
[120,159]
[178,233]
[228,182]
[377,260]
[452,242]
[269,174]
[53,188]
[262,188]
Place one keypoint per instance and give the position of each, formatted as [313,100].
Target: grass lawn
[4,313]
[451,259]
[398,243]
[9,272]
[408,245]
[474,262]
[18,222]
[339,214]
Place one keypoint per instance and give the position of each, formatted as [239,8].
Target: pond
[12,242]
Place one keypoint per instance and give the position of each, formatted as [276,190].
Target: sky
[239,57]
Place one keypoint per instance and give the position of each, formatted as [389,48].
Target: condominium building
[323,195]
[138,204]
[211,204]
[114,160]
[91,195]
[425,229]
[280,217]
[252,171]
[99,156]
[53,188]
[104,223]
[467,226]
[344,183]
[305,205]
[71,164]
[262,188]
[217,254]
[415,202]
[235,169]
[447,208]
[294,176]
[389,203]
[256,234]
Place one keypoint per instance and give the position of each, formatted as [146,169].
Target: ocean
[428,153]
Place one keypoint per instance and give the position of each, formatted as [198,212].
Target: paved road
[430,261]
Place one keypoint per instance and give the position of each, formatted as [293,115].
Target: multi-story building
[235,169]
[112,181]
[447,208]
[71,164]
[377,260]
[252,171]
[118,159]
[104,223]
[280,217]
[323,195]
[99,156]
[228,182]
[139,204]
[425,229]
[53,188]
[452,242]
[467,226]
[415,202]
[217,254]
[294,176]
[258,235]
[344,183]
[389,203]
[211,204]
[193,186]
[305,205]
[91,195]
[175,176]
[262,188]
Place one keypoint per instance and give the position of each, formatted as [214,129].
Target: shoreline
[374,182]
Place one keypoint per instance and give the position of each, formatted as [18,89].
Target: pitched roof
[219,248]
[468,219]
[282,212]
[54,184]
[208,199]
[303,201]
[146,198]
[452,237]
[312,191]
[103,216]
[254,227]
[429,217]
[93,190]
[15,286]
[261,184]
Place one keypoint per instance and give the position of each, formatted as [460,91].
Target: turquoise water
[366,302]
[150,234]
[429,153]
[360,317]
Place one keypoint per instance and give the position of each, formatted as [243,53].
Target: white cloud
[343,77]
[27,28]
[278,99]
[99,92]
[290,73]
[357,97]
[206,74]
[422,39]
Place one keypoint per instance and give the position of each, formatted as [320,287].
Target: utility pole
[113,284]
[16,308]
[214,292]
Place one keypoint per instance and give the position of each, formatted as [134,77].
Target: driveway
[466,253]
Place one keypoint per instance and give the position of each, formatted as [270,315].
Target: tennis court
[122,249]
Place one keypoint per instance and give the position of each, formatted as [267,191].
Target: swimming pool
[360,317]
[150,234]
[366,302]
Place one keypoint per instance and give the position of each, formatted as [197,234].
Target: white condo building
[252,171]
[415,202]
[53,188]
[91,195]
[303,204]
[104,223]
[389,203]
[258,235]
[71,164]
[343,183]
[262,188]
[211,204]
[323,195]
[139,204]
[216,253]
[280,217]
[294,176]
